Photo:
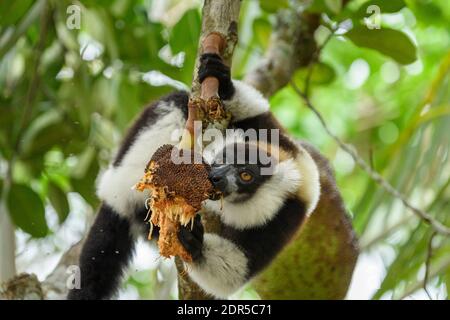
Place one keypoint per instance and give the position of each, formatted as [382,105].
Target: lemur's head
[240,169]
[257,179]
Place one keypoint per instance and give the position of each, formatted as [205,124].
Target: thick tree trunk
[221,18]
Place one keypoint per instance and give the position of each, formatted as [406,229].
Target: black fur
[106,252]
[262,244]
[109,245]
[235,159]
[268,121]
[148,117]
[249,188]
[246,189]
[192,240]
[211,65]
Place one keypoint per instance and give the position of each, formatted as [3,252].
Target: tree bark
[291,46]
[218,35]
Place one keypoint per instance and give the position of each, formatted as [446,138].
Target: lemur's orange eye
[245,176]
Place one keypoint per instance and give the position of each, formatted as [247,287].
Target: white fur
[247,102]
[265,203]
[223,270]
[115,184]
[309,189]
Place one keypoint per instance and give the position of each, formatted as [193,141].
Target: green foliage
[59,201]
[27,210]
[12,11]
[273,6]
[390,42]
[321,73]
[326,6]
[262,30]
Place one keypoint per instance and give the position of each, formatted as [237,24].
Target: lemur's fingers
[192,239]
[197,228]
[192,245]
[211,65]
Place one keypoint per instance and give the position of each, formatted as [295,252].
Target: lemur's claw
[211,65]
[192,240]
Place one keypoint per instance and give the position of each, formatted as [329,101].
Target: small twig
[428,264]
[401,223]
[440,268]
[426,217]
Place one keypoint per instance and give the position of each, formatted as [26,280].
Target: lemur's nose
[218,177]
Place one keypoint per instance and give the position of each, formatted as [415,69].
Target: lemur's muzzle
[218,177]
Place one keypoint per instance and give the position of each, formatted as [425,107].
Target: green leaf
[58,200]
[262,30]
[272,6]
[45,132]
[13,11]
[390,6]
[322,73]
[330,7]
[27,210]
[390,42]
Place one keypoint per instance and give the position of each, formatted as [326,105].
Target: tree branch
[218,35]
[292,46]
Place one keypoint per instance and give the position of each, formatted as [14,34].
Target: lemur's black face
[238,175]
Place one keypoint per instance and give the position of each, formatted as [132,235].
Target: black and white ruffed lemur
[260,213]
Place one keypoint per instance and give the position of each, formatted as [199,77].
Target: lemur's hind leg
[105,254]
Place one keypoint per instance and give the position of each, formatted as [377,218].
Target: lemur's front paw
[192,240]
[211,65]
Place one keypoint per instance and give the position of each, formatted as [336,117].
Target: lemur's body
[254,230]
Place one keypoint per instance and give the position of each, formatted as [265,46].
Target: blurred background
[69,88]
